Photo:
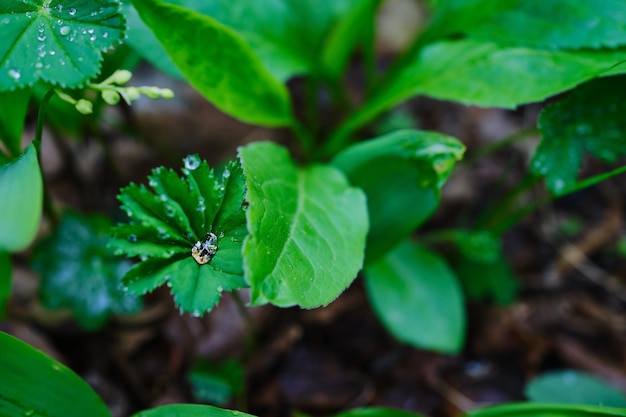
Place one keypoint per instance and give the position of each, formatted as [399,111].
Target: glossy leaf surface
[79,272]
[229,73]
[34,384]
[547,410]
[21,189]
[418,299]
[307,229]
[376,412]
[190,410]
[60,42]
[167,219]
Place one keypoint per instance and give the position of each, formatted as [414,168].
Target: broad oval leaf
[21,188]
[168,219]
[573,387]
[190,410]
[34,384]
[228,73]
[547,410]
[60,42]
[307,229]
[589,120]
[5,282]
[418,299]
[401,174]
[79,272]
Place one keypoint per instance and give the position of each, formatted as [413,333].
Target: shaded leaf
[58,42]
[547,410]
[169,218]
[190,410]
[573,387]
[401,174]
[14,105]
[376,412]
[21,189]
[487,280]
[417,298]
[5,282]
[216,383]
[79,272]
[35,385]
[229,73]
[589,120]
[307,229]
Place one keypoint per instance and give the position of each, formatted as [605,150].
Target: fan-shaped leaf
[60,42]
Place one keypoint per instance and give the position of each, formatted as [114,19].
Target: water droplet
[226,173]
[221,235]
[28,413]
[41,38]
[152,183]
[64,30]
[56,367]
[169,211]
[38,65]
[192,162]
[163,197]
[41,29]
[72,11]
[60,7]
[52,52]
[15,74]
[105,35]
[132,238]
[29,15]
[92,38]
[5,20]
[196,313]
[90,31]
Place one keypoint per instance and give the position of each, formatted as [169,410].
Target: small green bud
[120,77]
[84,106]
[132,93]
[111,97]
[167,93]
[151,92]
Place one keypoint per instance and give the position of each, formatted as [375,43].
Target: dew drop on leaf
[132,238]
[41,38]
[72,11]
[15,74]
[64,30]
[191,162]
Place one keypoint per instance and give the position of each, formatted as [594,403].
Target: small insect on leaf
[204,250]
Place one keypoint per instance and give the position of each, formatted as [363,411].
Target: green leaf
[573,387]
[547,410]
[589,120]
[417,297]
[554,24]
[190,410]
[376,412]
[216,383]
[307,229]
[14,105]
[35,385]
[229,73]
[401,172]
[79,272]
[21,189]
[58,42]
[487,280]
[5,282]
[169,219]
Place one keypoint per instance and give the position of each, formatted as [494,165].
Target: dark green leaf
[589,120]
[5,282]
[170,217]
[216,383]
[376,412]
[401,174]
[573,387]
[58,42]
[35,385]
[190,410]
[307,229]
[21,189]
[554,24]
[13,105]
[417,297]
[487,280]
[79,272]
[547,410]
[228,73]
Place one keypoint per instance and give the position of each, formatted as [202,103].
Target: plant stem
[304,136]
[48,207]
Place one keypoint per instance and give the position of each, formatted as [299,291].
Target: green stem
[48,207]
[304,136]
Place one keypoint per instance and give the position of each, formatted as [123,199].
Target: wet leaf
[34,384]
[21,189]
[417,297]
[169,218]
[307,229]
[79,272]
[589,120]
[60,42]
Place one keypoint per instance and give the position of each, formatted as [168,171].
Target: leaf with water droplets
[79,271]
[168,218]
[60,42]
[589,120]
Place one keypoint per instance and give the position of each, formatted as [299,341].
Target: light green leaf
[377,412]
[573,387]
[229,73]
[79,272]
[169,219]
[35,385]
[307,229]
[5,282]
[417,297]
[401,174]
[58,42]
[547,410]
[190,410]
[589,120]
[13,105]
[554,24]
[21,189]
